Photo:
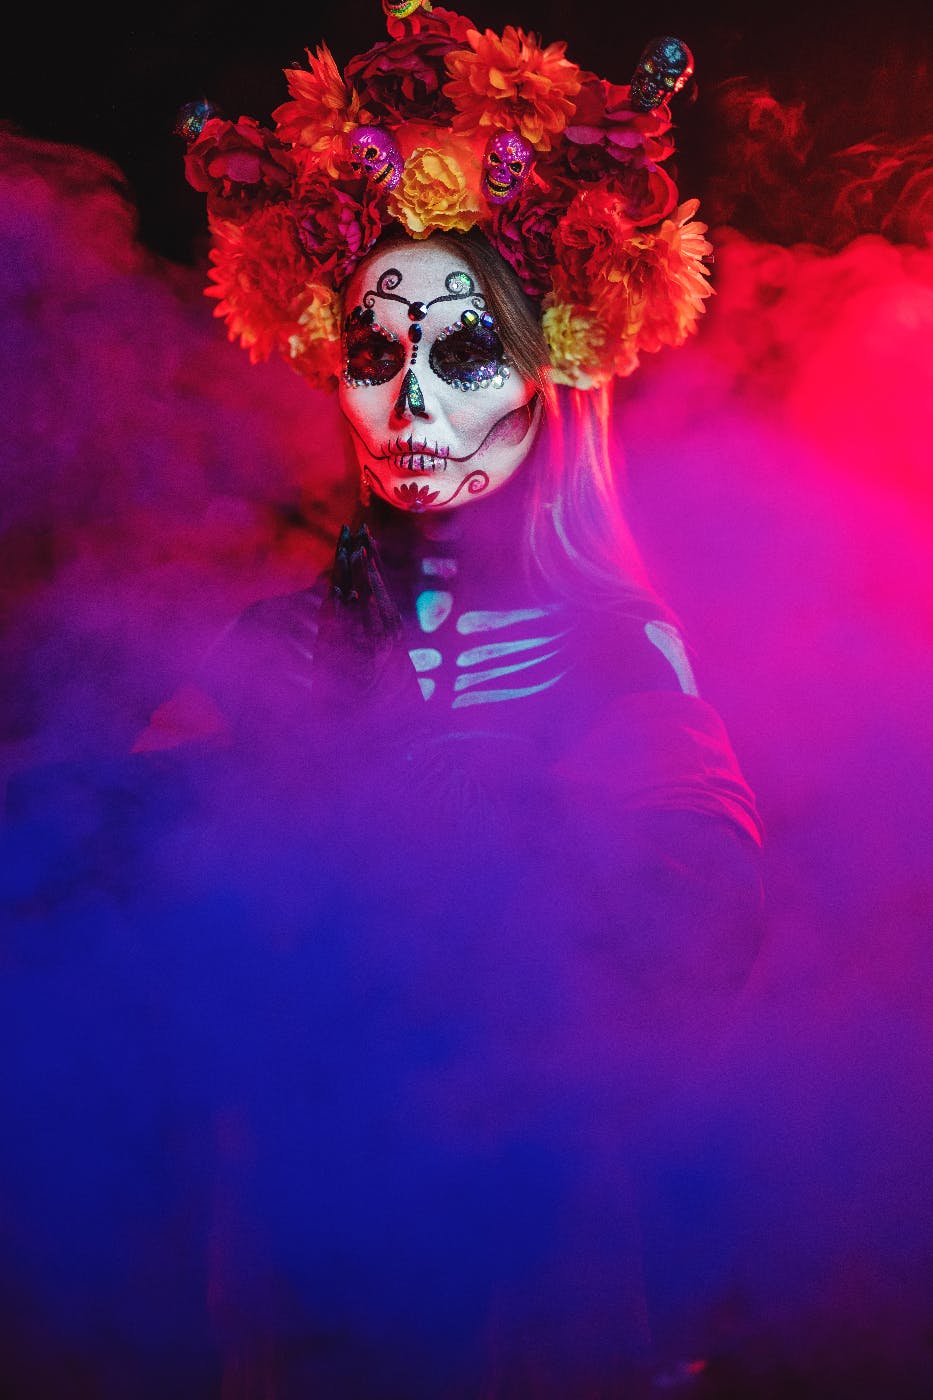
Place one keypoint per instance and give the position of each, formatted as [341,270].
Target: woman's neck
[483,542]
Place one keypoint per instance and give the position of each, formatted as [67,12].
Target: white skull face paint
[436,414]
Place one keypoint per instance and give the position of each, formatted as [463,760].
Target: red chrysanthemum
[259,274]
[643,288]
[512,83]
[585,243]
[322,111]
[666,278]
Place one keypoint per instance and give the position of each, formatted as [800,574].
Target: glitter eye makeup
[469,355]
[373,355]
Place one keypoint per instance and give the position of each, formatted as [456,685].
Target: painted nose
[410,401]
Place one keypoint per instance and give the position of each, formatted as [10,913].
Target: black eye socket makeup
[373,355]
[470,355]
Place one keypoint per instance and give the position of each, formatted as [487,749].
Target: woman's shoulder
[653,740]
[636,646]
[257,667]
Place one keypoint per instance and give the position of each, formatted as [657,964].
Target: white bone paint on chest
[515,652]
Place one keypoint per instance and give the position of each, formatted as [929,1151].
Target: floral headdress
[440,127]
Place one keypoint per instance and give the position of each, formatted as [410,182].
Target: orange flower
[673,278]
[512,84]
[321,113]
[260,277]
[643,288]
[439,190]
[653,284]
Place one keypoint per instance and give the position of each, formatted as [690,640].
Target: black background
[115,83]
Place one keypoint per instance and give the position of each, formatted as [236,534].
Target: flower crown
[442,128]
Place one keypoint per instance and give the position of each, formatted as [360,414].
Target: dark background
[115,84]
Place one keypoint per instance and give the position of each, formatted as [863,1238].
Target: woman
[489,578]
[469,237]
[474,747]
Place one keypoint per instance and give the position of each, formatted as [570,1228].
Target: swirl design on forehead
[460,287]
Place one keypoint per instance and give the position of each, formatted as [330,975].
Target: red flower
[238,165]
[401,79]
[605,118]
[586,244]
[522,231]
[648,194]
[259,275]
[609,140]
[338,223]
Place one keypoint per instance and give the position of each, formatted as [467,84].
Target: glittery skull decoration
[665,66]
[193,116]
[401,9]
[506,164]
[373,152]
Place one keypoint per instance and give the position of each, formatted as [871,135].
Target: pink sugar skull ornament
[374,154]
[506,165]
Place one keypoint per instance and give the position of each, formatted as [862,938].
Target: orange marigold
[439,190]
[512,83]
[673,279]
[644,288]
[323,109]
[259,277]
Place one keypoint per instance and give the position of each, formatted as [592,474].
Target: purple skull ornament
[374,154]
[506,164]
[665,66]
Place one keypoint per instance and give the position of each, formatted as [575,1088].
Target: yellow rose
[438,192]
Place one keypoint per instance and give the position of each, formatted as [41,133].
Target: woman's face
[437,415]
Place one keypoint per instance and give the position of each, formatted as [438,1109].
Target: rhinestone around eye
[417,311]
[470,318]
